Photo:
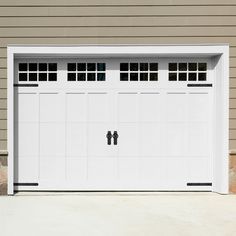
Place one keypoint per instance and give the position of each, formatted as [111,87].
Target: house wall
[114,22]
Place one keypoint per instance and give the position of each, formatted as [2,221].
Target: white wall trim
[220,172]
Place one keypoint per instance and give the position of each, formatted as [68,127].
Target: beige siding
[116,22]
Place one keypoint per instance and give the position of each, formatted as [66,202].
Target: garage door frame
[220,58]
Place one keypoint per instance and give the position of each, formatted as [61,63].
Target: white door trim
[220,54]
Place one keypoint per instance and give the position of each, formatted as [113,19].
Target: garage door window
[86,71]
[142,71]
[37,72]
[184,71]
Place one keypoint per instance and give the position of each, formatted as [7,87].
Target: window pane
[182,66]
[143,76]
[43,67]
[32,76]
[172,76]
[202,76]
[91,77]
[124,77]
[202,66]
[23,67]
[144,66]
[81,76]
[172,66]
[124,66]
[42,76]
[91,66]
[153,76]
[71,66]
[52,77]
[53,67]
[101,66]
[192,76]
[133,76]
[101,77]
[153,67]
[192,66]
[182,76]
[32,66]
[71,76]
[134,66]
[22,76]
[81,66]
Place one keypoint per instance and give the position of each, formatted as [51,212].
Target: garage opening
[125,123]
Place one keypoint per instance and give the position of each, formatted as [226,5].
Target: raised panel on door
[26,138]
[101,156]
[128,141]
[76,137]
[52,137]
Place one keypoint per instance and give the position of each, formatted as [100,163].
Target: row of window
[37,77]
[128,71]
[184,66]
[37,66]
[86,66]
[139,66]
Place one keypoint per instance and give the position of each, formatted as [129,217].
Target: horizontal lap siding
[116,22]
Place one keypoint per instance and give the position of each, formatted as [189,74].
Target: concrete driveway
[122,214]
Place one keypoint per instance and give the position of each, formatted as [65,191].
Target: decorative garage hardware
[115,137]
[138,71]
[109,137]
[184,71]
[37,72]
[86,71]
[199,184]
[26,85]
[26,184]
[199,85]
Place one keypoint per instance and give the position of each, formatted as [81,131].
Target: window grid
[138,71]
[187,71]
[86,71]
[34,72]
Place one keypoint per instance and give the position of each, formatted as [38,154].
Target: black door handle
[115,138]
[109,136]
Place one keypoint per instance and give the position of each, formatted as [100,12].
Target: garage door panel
[127,107]
[152,170]
[52,169]
[128,169]
[151,107]
[128,141]
[27,107]
[198,139]
[151,139]
[76,107]
[97,140]
[176,108]
[176,172]
[199,170]
[28,139]
[76,139]
[52,140]
[102,170]
[99,107]
[26,170]
[198,107]
[52,107]
[76,169]
[176,139]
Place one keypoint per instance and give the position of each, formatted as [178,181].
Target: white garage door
[113,124]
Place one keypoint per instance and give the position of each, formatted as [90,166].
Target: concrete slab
[131,214]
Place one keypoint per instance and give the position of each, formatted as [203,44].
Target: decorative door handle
[109,137]
[115,137]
